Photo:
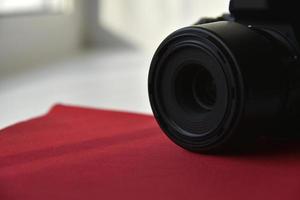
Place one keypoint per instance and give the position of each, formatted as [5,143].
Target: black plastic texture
[265,9]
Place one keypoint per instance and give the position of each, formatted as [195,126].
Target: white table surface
[114,79]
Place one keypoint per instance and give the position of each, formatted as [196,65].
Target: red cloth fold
[80,153]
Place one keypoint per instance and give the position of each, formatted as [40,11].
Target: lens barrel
[215,85]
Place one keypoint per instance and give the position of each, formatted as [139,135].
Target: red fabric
[78,153]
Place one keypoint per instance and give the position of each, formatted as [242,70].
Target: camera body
[223,82]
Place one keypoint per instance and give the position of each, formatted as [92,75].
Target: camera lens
[211,84]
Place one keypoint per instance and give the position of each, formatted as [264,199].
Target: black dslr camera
[224,81]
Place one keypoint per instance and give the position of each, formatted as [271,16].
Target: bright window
[29,6]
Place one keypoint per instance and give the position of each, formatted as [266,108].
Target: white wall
[94,33]
[147,22]
[27,41]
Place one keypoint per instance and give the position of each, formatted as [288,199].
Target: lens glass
[195,88]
